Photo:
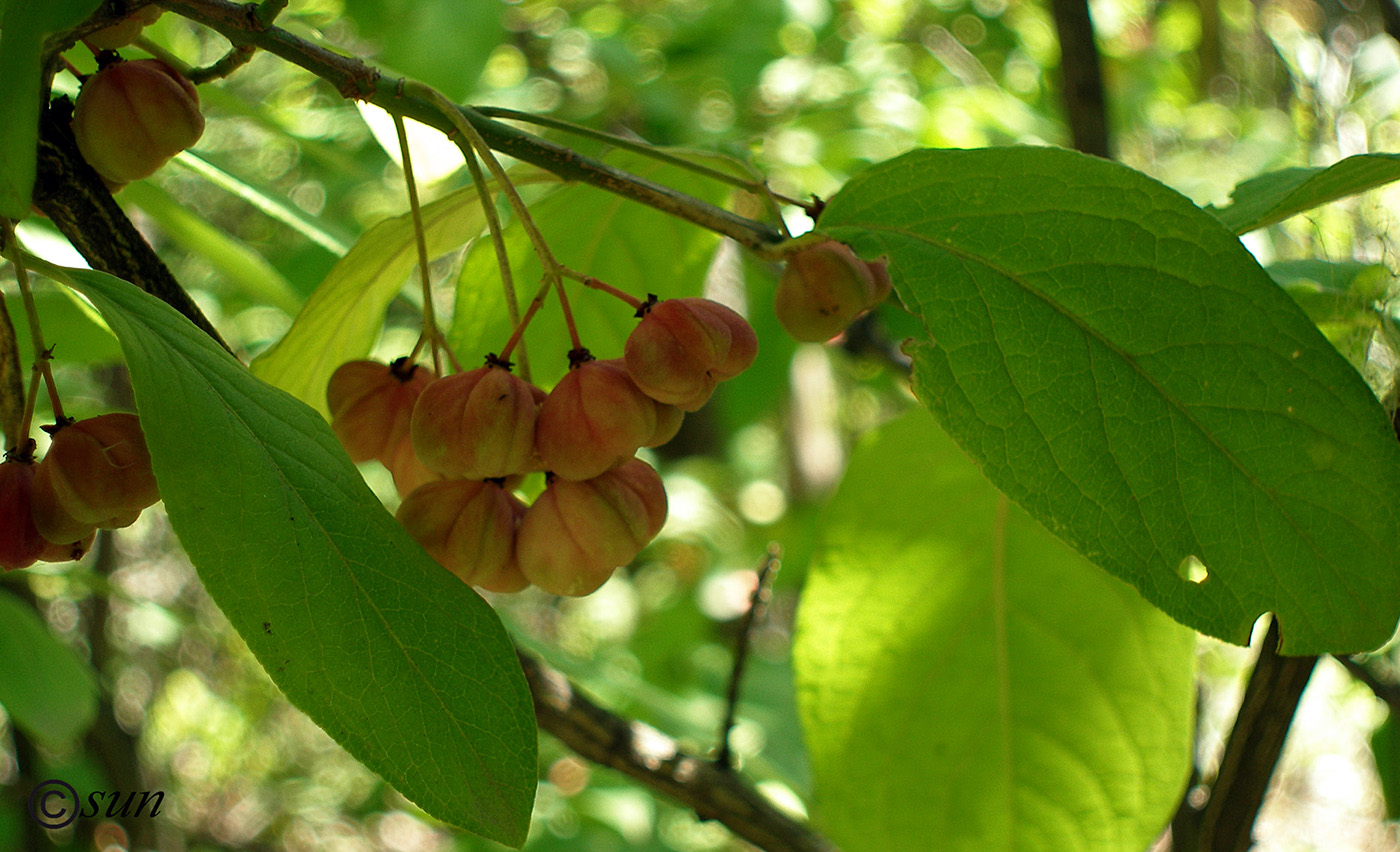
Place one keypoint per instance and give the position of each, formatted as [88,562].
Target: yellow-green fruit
[576,534]
[823,288]
[132,117]
[467,526]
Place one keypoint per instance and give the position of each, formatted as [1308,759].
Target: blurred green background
[1202,93]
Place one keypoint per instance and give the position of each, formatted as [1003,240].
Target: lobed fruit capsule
[131,117]
[20,541]
[683,347]
[824,287]
[477,425]
[96,473]
[125,31]
[576,534]
[469,528]
[371,404]
[595,419]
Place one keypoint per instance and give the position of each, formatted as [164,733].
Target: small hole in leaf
[1193,570]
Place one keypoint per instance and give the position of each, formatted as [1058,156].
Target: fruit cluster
[95,475]
[824,287]
[457,446]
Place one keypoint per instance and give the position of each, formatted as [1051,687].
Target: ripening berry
[824,287]
[67,552]
[594,420]
[96,473]
[132,117]
[668,423]
[125,31]
[477,425]
[20,541]
[576,534]
[683,347]
[371,403]
[469,528]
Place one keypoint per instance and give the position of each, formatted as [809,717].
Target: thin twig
[498,242]
[646,149]
[758,605]
[42,370]
[644,753]
[355,79]
[429,333]
[1385,688]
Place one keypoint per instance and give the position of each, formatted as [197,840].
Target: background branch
[355,79]
[653,758]
[1085,105]
[1266,711]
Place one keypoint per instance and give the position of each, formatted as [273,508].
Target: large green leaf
[1275,196]
[1120,366]
[48,692]
[964,676]
[404,665]
[443,44]
[627,244]
[22,33]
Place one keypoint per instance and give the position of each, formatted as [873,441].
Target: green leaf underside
[22,32]
[1120,366]
[401,663]
[625,243]
[49,693]
[1275,196]
[343,318]
[443,44]
[964,676]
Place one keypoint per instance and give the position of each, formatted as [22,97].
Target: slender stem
[758,605]
[645,149]
[498,241]
[430,331]
[595,284]
[553,272]
[36,335]
[530,311]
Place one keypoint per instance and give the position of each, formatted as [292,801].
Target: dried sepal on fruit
[576,534]
[683,347]
[824,287]
[96,473]
[477,425]
[468,526]
[20,542]
[131,117]
[593,420]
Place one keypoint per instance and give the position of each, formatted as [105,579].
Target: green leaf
[342,319]
[49,693]
[22,33]
[624,243]
[1121,367]
[442,44]
[259,280]
[1385,747]
[962,675]
[401,663]
[1275,196]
